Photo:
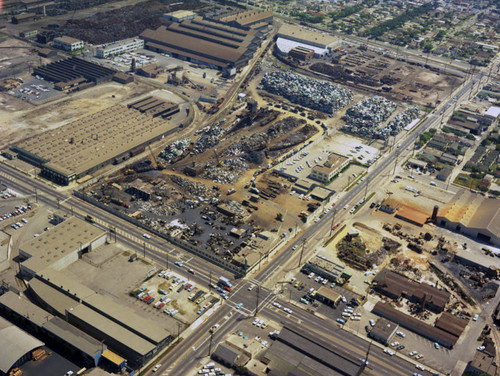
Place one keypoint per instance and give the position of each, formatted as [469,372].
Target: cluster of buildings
[92,326]
[216,45]
[447,328]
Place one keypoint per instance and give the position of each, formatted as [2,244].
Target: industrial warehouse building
[433,333]
[68,240]
[83,146]
[119,47]
[297,352]
[16,346]
[473,215]
[68,44]
[205,42]
[292,36]
[395,286]
[250,19]
[54,329]
[135,338]
[326,268]
[74,72]
[179,15]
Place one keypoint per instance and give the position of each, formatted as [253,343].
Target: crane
[157,165]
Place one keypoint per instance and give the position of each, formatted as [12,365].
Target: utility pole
[302,252]
[257,302]
[333,221]
[144,248]
[36,195]
[58,201]
[395,163]
[210,343]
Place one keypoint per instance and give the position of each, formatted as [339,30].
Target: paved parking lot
[36,90]
[293,292]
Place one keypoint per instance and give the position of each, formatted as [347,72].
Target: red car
[336,226]
[227,288]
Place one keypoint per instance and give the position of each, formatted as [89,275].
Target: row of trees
[411,14]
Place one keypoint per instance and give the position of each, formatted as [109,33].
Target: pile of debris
[227,172]
[261,140]
[401,120]
[211,136]
[175,149]
[315,94]
[165,209]
[198,190]
[363,118]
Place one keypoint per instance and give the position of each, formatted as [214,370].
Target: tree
[427,46]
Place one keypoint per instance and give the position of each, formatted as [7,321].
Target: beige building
[60,246]
[68,44]
[332,167]
[473,215]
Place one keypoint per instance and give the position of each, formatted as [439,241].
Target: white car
[420,367]
[287,310]
[156,368]
[389,352]
[147,236]
[413,353]
[481,348]
[276,304]
[346,207]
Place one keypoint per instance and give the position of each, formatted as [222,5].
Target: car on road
[341,321]
[420,367]
[294,247]
[276,304]
[191,271]
[475,317]
[147,236]
[178,263]
[287,310]
[239,305]
[156,368]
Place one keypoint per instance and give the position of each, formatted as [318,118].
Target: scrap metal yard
[224,188]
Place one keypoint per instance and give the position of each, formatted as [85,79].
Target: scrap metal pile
[363,118]
[261,140]
[197,190]
[227,173]
[210,136]
[175,149]
[315,94]
[401,120]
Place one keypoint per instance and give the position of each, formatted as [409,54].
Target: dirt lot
[403,81]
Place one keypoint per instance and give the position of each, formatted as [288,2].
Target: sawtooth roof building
[205,42]
[83,146]
[473,215]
